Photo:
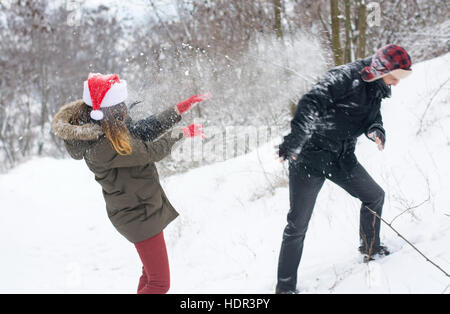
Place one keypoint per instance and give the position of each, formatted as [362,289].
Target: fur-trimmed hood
[63,129]
[77,138]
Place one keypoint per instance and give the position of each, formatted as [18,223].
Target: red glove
[187,104]
[194,130]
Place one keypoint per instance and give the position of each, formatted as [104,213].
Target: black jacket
[332,115]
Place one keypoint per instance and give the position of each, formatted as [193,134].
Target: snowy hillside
[55,235]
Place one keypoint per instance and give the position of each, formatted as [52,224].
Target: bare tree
[336,33]
[362,26]
[225,46]
[277,15]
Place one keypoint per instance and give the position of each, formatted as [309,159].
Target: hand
[379,138]
[194,130]
[283,156]
[186,105]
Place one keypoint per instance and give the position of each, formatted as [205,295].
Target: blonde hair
[113,125]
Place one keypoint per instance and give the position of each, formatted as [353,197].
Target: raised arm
[149,129]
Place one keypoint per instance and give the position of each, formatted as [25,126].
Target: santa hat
[101,91]
[391,59]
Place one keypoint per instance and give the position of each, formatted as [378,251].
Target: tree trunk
[348,28]
[335,33]
[277,11]
[362,26]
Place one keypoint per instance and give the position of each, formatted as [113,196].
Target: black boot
[376,252]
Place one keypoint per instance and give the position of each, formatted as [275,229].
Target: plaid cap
[388,59]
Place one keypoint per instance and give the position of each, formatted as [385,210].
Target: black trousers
[304,188]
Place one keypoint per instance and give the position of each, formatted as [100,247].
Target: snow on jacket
[135,201]
[330,117]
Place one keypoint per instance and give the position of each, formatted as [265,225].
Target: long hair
[113,125]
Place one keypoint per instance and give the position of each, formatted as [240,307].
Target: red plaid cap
[387,59]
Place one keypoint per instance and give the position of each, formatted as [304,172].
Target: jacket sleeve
[144,152]
[74,148]
[151,128]
[336,84]
[161,148]
[377,124]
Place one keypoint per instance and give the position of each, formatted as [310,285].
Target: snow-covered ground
[55,235]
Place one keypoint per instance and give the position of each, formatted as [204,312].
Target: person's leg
[155,277]
[143,280]
[360,184]
[303,189]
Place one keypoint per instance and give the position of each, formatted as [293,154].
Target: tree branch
[429,105]
[412,245]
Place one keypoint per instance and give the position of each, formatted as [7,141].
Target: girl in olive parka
[122,155]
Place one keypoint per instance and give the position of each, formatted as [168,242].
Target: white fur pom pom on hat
[97,115]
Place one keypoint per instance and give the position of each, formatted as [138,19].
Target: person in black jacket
[339,108]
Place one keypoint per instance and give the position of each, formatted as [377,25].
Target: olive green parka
[135,201]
